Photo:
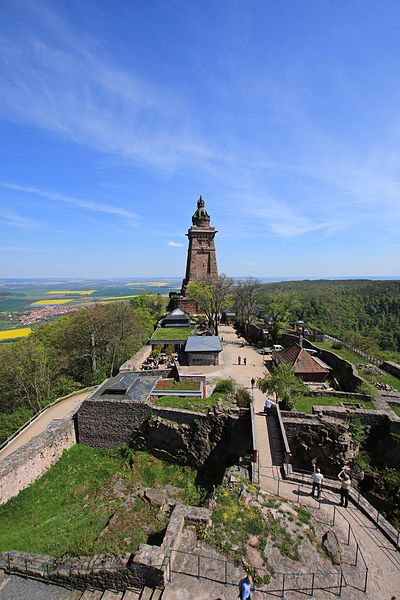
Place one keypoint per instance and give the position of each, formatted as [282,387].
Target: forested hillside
[66,355]
[364,312]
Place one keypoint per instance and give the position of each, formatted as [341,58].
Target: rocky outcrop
[326,440]
[217,439]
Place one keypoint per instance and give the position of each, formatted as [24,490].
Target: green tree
[281,308]
[212,296]
[155,304]
[284,384]
[246,294]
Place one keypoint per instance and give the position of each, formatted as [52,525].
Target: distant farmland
[18,297]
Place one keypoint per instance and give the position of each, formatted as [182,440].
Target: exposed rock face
[325,439]
[219,439]
[333,547]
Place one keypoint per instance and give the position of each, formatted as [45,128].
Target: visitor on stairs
[268,406]
[344,489]
[317,480]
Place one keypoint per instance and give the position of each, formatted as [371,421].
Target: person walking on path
[317,480]
[344,489]
[239,360]
[268,406]
[245,588]
[245,361]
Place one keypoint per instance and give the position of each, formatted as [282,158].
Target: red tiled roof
[299,358]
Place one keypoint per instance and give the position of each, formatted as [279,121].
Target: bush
[337,346]
[225,386]
[357,431]
[368,389]
[242,397]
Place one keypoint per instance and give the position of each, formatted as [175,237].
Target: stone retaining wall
[109,423]
[28,463]
[391,367]
[134,363]
[178,415]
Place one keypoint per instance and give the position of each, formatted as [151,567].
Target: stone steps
[129,594]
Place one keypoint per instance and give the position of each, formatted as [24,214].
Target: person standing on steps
[317,480]
[268,406]
[344,488]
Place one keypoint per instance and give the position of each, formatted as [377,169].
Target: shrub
[337,346]
[368,389]
[357,430]
[225,386]
[242,397]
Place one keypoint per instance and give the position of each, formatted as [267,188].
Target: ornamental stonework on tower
[201,260]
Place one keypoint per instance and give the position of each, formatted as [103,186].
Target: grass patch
[305,404]
[172,333]
[356,360]
[395,408]
[196,404]
[238,523]
[64,512]
[170,384]
[42,302]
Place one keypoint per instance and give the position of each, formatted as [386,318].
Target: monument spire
[201,260]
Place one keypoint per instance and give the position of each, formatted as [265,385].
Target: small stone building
[306,367]
[117,408]
[203,350]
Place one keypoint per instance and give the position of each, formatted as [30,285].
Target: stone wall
[216,440]
[391,367]
[134,363]
[322,438]
[109,423]
[28,463]
[148,567]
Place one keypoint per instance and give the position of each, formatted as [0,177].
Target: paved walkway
[58,411]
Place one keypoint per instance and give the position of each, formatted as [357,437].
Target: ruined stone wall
[109,423]
[325,439]
[391,367]
[28,463]
[217,439]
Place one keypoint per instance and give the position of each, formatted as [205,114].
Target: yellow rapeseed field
[78,292]
[41,302]
[10,334]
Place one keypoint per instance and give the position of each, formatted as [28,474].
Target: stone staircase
[275,440]
[130,594]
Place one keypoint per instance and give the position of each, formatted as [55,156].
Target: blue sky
[116,116]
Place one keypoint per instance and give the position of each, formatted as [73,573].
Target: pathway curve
[58,411]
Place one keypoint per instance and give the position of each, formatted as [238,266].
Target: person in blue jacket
[245,588]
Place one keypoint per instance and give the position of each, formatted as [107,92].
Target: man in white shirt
[317,479]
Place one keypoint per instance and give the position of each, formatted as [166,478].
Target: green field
[64,512]
[306,403]
[20,296]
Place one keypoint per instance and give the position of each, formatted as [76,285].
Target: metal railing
[390,532]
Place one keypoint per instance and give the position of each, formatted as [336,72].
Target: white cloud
[11,217]
[175,244]
[78,202]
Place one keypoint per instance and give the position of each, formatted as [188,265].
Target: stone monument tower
[201,260]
